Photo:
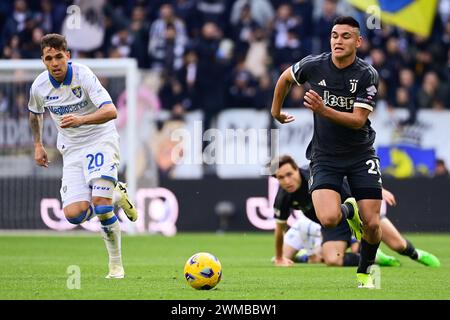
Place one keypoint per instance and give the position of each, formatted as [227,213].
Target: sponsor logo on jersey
[60,110]
[77,91]
[50,98]
[100,188]
[322,83]
[337,101]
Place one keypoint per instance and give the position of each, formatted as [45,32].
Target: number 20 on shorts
[96,160]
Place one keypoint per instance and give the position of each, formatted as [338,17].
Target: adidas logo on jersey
[322,83]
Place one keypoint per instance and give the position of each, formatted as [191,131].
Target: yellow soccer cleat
[125,203]
[355,223]
[365,281]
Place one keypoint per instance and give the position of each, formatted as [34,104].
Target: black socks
[351,259]
[368,253]
[347,211]
[410,251]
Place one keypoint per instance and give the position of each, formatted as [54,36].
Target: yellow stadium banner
[415,16]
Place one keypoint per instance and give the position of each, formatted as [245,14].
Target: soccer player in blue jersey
[83,113]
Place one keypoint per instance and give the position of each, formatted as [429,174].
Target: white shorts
[84,164]
[304,234]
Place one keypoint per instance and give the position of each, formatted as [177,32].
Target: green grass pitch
[35,266]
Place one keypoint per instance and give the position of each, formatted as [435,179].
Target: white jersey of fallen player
[80,93]
[306,234]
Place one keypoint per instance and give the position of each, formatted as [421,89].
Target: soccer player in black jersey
[293,195]
[341,95]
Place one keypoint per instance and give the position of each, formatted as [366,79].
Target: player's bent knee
[333,261]
[329,222]
[100,201]
[78,213]
[372,226]
[77,220]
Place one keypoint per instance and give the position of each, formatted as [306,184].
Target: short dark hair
[53,40]
[281,161]
[348,20]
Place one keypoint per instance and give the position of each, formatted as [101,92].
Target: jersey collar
[346,68]
[67,79]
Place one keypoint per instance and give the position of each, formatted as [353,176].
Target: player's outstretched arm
[280,260]
[282,88]
[36,124]
[104,114]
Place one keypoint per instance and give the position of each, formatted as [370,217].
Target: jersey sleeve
[301,70]
[35,104]
[281,207]
[367,90]
[97,93]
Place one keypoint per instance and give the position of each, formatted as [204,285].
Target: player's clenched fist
[40,156]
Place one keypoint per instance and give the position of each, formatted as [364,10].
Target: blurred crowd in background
[212,55]
[217,54]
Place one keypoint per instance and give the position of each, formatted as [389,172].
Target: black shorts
[362,172]
[341,232]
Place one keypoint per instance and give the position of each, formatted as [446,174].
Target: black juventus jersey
[341,89]
[301,199]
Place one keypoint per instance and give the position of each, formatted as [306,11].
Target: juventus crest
[77,91]
[353,84]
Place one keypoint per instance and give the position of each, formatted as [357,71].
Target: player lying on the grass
[293,195]
[82,111]
[303,243]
